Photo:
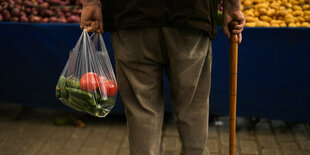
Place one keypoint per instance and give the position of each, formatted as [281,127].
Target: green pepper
[72,83]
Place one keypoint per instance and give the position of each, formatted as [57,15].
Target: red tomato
[110,86]
[102,78]
[89,82]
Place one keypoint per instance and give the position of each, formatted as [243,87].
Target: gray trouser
[141,55]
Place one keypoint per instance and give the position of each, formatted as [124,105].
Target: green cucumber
[72,83]
[108,101]
[60,88]
[58,92]
[62,81]
[80,94]
[83,95]
[97,95]
[65,101]
[78,103]
[100,113]
[64,92]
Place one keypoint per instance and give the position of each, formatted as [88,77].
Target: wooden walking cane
[233,66]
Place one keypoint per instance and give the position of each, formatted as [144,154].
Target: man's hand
[232,13]
[91,17]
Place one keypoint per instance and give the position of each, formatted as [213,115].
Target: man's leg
[189,72]
[140,76]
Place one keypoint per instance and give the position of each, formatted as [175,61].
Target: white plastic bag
[87,82]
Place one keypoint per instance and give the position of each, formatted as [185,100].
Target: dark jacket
[120,14]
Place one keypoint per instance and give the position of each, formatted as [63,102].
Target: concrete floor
[33,132]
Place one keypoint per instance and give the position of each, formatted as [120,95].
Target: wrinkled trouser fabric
[141,56]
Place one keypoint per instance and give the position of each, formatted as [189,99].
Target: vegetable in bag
[88,82]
